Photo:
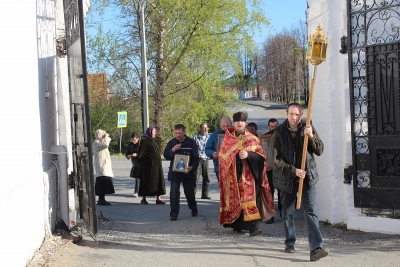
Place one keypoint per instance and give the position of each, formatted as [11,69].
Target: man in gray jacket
[286,153]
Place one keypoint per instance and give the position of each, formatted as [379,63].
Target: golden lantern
[317,47]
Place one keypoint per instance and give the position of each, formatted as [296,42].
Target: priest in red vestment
[245,196]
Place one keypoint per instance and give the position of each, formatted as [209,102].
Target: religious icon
[265,140]
[181,163]
[220,139]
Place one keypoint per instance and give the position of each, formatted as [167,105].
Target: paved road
[261,111]
[132,234]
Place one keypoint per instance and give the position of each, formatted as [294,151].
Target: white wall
[34,115]
[329,109]
[331,116]
[22,190]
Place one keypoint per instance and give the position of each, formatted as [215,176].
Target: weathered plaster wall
[22,226]
[34,115]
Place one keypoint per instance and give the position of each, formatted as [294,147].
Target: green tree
[191,47]
[104,116]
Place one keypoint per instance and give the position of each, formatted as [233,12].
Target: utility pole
[298,80]
[145,94]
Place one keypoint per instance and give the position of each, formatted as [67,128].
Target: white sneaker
[135,195]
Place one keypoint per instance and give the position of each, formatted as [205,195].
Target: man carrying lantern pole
[291,168]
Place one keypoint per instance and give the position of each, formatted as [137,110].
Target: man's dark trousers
[175,194]
[271,186]
[203,171]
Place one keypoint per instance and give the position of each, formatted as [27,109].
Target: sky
[281,14]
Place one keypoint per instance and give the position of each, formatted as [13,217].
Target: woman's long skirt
[104,185]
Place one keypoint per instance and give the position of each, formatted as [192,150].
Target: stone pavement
[131,234]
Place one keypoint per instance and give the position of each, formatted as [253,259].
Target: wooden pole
[304,154]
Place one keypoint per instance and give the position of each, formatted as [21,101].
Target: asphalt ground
[132,234]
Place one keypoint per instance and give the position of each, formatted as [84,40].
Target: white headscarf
[99,134]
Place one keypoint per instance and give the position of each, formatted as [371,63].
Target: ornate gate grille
[80,121]
[373,30]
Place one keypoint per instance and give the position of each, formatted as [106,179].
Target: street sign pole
[120,142]
[121,123]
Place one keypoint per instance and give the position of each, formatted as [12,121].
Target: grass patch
[341,226]
[327,223]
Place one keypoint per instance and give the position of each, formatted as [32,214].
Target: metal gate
[373,30]
[80,120]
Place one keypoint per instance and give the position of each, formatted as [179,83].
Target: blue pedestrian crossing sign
[122,119]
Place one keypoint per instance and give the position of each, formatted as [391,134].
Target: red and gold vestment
[241,194]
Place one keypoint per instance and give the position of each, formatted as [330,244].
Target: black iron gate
[373,30]
[80,120]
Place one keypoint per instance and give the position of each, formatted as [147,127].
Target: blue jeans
[137,184]
[309,206]
[175,193]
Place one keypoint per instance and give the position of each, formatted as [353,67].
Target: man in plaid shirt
[201,139]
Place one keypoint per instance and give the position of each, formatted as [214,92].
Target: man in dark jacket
[286,152]
[132,154]
[272,124]
[252,128]
[212,143]
[182,145]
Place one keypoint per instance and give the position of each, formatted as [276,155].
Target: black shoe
[318,253]
[103,202]
[270,221]
[237,230]
[173,218]
[204,197]
[195,212]
[289,250]
[256,232]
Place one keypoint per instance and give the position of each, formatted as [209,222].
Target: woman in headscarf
[151,173]
[102,164]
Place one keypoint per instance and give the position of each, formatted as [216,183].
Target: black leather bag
[135,172]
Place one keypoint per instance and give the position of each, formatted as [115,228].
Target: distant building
[241,89]
[98,89]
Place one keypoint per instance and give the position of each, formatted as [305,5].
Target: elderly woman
[151,173]
[102,164]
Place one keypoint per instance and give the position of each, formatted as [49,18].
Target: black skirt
[104,185]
